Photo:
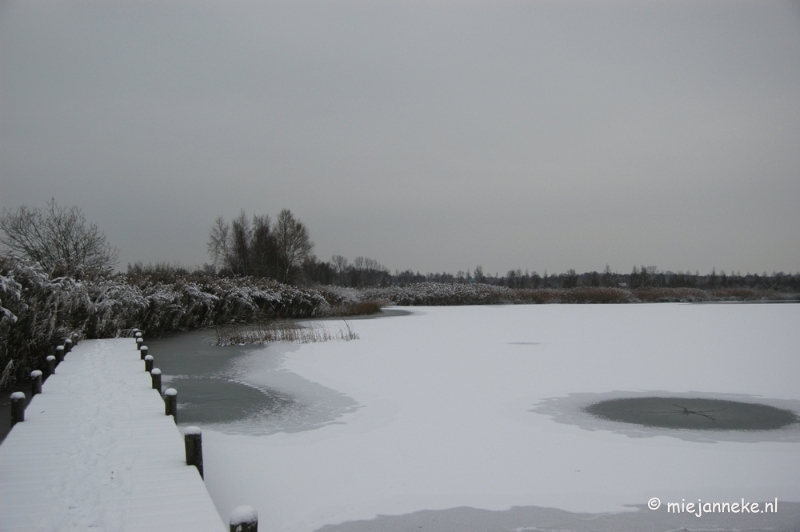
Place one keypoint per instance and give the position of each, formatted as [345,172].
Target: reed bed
[281,331]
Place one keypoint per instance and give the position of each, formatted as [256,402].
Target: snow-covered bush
[34,311]
[37,312]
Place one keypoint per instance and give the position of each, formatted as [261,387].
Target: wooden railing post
[17,408]
[148,363]
[36,385]
[193,440]
[171,403]
[51,365]
[59,354]
[143,351]
[155,375]
[244,519]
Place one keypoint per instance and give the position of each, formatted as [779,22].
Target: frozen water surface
[243,389]
[472,418]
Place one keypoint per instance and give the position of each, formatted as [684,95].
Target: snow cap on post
[244,519]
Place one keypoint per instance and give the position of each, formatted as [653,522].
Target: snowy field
[471,409]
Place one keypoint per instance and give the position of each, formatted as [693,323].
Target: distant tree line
[66,245]
[283,252]
[369,273]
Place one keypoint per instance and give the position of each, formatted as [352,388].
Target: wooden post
[137,334]
[75,338]
[51,365]
[143,351]
[244,519]
[155,374]
[139,343]
[171,403]
[148,363]
[59,354]
[67,345]
[17,407]
[193,440]
[36,385]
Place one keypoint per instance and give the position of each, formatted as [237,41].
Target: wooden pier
[97,452]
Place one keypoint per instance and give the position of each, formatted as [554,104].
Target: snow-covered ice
[480,407]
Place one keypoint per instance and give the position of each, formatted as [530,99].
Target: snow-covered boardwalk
[97,452]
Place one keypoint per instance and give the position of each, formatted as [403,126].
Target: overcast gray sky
[432,135]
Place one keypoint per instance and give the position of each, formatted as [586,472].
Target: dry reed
[280,331]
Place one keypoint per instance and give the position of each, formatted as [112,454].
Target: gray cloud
[431,136]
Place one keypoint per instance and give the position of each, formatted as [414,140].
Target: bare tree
[241,234]
[245,248]
[59,239]
[263,248]
[339,264]
[294,245]
[219,246]
[478,275]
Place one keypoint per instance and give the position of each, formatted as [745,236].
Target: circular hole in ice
[692,413]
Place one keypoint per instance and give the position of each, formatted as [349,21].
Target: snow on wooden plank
[96,451]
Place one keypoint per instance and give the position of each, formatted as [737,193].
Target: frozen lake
[458,414]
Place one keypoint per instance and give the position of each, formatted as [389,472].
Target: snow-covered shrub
[35,314]
[206,301]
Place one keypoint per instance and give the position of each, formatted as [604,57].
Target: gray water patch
[573,410]
[313,405]
[242,389]
[210,400]
[693,413]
